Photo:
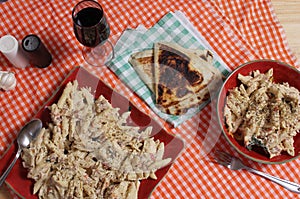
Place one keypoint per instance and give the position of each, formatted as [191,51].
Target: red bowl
[281,73]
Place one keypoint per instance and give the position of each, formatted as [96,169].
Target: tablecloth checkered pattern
[238,31]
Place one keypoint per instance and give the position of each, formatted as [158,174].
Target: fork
[234,163]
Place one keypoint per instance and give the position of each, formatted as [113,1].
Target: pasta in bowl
[259,111]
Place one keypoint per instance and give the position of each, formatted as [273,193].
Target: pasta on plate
[263,113]
[88,151]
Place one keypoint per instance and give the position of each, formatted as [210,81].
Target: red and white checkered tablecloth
[238,31]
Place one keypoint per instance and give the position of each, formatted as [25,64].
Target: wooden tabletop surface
[289,16]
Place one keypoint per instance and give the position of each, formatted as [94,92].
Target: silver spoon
[28,133]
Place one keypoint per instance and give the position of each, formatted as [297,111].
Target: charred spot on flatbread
[176,76]
[146,60]
[175,64]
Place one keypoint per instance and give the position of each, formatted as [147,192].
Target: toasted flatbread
[180,77]
[176,88]
[143,64]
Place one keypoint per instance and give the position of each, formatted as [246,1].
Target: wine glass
[92,30]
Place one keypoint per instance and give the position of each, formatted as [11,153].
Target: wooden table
[289,16]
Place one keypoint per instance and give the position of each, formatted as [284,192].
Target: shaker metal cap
[31,43]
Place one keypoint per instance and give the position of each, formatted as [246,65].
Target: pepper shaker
[36,51]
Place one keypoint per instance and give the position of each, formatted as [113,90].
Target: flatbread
[182,78]
[143,64]
[177,87]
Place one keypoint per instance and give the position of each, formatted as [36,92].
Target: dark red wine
[91,27]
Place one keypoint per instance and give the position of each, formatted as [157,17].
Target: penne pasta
[267,114]
[88,151]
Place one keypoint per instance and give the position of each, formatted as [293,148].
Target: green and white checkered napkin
[173,27]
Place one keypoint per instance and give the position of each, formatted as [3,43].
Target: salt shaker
[36,51]
[10,48]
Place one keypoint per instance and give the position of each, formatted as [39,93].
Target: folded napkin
[173,27]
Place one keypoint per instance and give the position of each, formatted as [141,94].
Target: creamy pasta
[263,113]
[88,151]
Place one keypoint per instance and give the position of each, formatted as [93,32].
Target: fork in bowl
[235,163]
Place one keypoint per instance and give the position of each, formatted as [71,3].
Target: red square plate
[23,186]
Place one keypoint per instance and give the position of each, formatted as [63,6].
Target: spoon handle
[5,174]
